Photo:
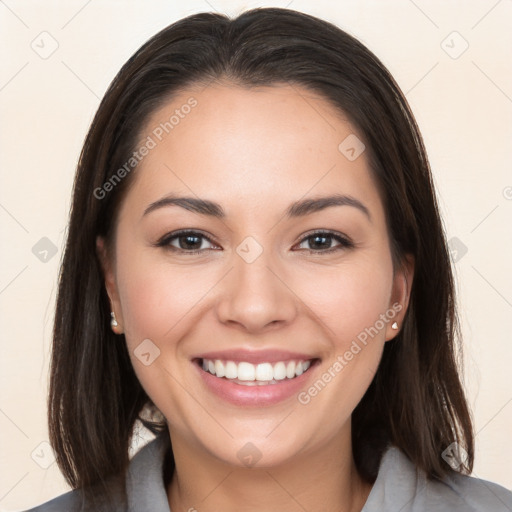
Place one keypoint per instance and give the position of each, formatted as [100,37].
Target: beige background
[463,106]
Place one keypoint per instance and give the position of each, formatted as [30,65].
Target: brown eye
[186,241]
[319,241]
[189,242]
[323,241]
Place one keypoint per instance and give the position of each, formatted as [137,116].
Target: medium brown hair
[416,400]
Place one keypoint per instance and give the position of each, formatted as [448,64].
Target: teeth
[219,369]
[280,371]
[253,375]
[231,370]
[264,371]
[290,369]
[246,371]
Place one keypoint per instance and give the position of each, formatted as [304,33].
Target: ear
[400,295]
[108,267]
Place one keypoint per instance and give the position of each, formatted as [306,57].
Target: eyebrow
[307,206]
[193,204]
[299,208]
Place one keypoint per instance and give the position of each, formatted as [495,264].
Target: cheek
[350,301]
[349,298]
[156,297]
[159,303]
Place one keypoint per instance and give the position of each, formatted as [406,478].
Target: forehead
[251,147]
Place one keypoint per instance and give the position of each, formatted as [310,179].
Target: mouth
[248,374]
[255,384]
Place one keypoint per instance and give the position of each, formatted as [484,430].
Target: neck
[324,479]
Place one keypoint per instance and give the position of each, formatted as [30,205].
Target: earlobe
[402,285]
[110,285]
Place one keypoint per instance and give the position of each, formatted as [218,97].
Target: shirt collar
[146,490]
[144,478]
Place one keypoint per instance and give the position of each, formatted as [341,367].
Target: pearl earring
[113,321]
[394,325]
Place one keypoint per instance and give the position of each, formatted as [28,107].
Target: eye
[190,242]
[322,241]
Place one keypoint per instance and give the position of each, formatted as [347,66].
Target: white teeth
[231,370]
[246,371]
[279,371]
[219,368]
[290,370]
[264,371]
[252,375]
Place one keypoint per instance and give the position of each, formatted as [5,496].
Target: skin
[255,151]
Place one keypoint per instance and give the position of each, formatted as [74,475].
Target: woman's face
[251,175]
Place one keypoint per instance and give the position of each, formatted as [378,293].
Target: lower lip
[269,394]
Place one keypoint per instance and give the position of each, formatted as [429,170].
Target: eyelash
[166,239]
[344,242]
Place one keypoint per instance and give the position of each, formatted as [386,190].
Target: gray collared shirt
[399,487]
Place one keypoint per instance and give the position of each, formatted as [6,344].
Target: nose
[256,297]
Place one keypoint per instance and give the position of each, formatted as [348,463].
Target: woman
[256,270]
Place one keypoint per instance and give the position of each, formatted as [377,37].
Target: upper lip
[255,356]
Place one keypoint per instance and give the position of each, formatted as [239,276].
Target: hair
[416,400]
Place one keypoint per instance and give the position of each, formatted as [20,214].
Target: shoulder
[74,501]
[69,501]
[476,494]
[400,486]
[143,482]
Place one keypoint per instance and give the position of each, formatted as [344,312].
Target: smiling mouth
[262,374]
